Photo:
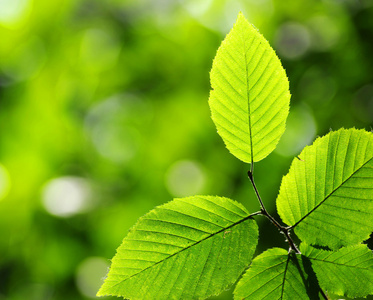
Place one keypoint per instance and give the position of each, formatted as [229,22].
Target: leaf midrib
[248,99]
[331,193]
[284,279]
[186,248]
[269,280]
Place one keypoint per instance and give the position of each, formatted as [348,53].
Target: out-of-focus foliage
[104,115]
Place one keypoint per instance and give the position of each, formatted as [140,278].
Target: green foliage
[250,95]
[331,180]
[275,274]
[348,271]
[107,100]
[188,248]
[192,248]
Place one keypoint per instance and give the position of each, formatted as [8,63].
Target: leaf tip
[241,18]
[99,293]
[241,15]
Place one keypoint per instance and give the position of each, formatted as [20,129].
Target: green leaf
[346,272]
[250,95]
[328,193]
[275,274]
[188,248]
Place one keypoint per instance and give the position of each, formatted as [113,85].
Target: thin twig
[263,209]
[256,213]
[264,212]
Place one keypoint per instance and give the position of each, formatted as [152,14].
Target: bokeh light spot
[196,7]
[89,275]
[185,178]
[325,33]
[113,127]
[67,196]
[292,40]
[4,182]
[300,131]
[116,145]
[12,10]
[216,15]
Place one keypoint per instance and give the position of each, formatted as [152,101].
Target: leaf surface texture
[275,274]
[328,193]
[189,248]
[346,272]
[250,95]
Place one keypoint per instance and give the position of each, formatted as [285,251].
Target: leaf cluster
[196,247]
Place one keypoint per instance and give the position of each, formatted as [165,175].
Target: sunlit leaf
[328,193]
[186,249]
[275,274]
[346,272]
[250,95]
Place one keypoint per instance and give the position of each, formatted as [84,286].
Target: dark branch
[264,212]
[323,294]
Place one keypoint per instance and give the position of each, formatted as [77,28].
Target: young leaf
[275,274]
[346,272]
[188,248]
[250,95]
[328,193]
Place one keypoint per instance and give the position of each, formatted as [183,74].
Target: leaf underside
[189,248]
[328,193]
[275,274]
[346,272]
[250,96]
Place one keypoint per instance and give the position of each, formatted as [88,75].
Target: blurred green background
[104,115]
